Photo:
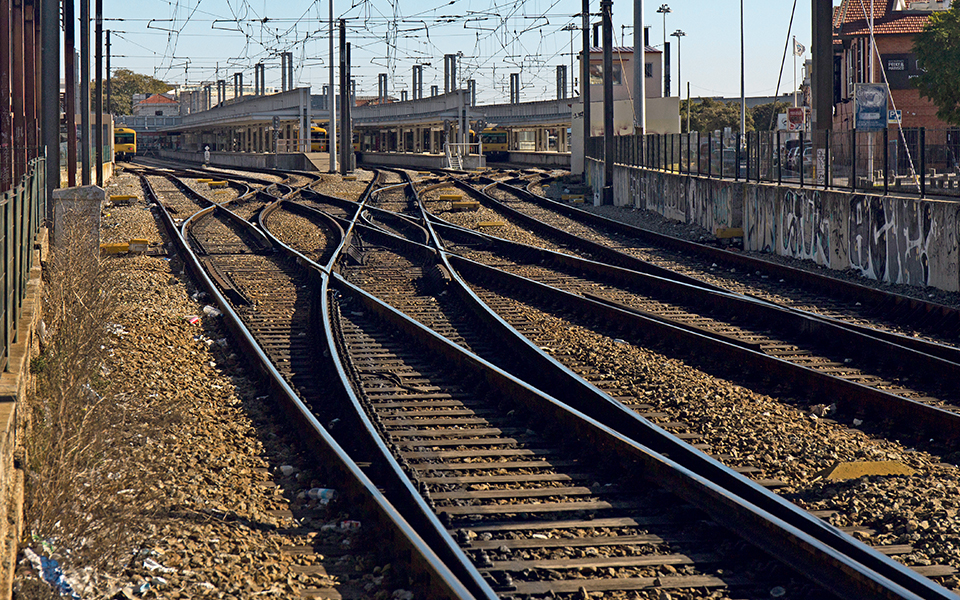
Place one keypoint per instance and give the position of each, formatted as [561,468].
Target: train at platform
[495,143]
[124,143]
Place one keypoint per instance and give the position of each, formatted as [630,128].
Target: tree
[124,84]
[938,53]
[710,115]
[765,115]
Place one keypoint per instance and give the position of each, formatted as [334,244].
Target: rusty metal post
[18,90]
[33,74]
[50,92]
[70,92]
[6,108]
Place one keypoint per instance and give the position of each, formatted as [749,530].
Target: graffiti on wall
[709,205]
[760,219]
[804,226]
[890,241]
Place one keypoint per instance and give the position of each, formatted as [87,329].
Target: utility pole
[69,104]
[346,144]
[585,81]
[85,92]
[99,98]
[332,101]
[639,71]
[606,12]
[109,110]
[822,80]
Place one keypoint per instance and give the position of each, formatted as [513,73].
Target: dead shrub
[83,489]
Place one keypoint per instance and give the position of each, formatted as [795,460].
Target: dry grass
[83,487]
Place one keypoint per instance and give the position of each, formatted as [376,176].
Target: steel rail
[426,567]
[834,570]
[916,309]
[569,387]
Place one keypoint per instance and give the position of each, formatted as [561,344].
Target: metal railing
[21,212]
[912,161]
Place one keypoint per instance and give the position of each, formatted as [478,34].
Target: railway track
[788,287]
[270,304]
[406,379]
[520,483]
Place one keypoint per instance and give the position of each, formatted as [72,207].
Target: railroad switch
[204,180]
[573,198]
[217,184]
[349,177]
[450,197]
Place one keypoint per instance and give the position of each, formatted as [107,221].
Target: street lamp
[678,34]
[664,10]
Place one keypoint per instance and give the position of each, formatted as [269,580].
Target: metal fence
[22,210]
[912,161]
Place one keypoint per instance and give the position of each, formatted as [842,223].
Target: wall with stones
[902,240]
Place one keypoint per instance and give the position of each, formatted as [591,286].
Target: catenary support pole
[606,10]
[69,91]
[585,82]
[98,99]
[85,144]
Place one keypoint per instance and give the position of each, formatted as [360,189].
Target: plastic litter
[152,565]
[288,470]
[324,495]
[349,525]
[51,572]
[211,311]
[192,319]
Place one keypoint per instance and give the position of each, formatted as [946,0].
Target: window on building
[159,113]
[596,74]
[648,69]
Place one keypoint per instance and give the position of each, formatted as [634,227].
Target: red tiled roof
[851,18]
[157,99]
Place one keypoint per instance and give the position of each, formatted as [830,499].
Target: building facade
[895,23]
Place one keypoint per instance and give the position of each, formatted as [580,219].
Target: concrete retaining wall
[287,162]
[541,159]
[15,383]
[887,238]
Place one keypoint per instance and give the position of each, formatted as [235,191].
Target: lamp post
[678,34]
[571,27]
[664,10]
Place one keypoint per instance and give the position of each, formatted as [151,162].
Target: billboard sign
[870,106]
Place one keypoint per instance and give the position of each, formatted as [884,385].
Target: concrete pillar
[76,212]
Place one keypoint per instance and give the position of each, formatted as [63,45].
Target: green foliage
[765,115]
[708,114]
[938,52]
[124,83]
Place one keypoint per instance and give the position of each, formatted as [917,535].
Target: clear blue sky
[190,39]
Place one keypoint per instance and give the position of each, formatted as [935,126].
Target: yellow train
[318,139]
[495,144]
[319,142]
[124,143]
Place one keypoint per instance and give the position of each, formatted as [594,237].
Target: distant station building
[663,114]
[155,105]
[895,23]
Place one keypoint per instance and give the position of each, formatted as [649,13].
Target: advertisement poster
[870,106]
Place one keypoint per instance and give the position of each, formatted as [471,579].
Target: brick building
[895,23]
[158,105]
